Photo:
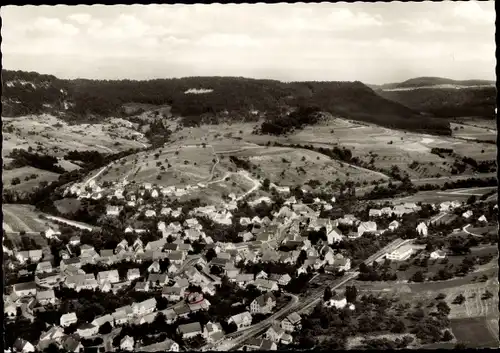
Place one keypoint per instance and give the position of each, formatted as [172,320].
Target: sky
[370,42]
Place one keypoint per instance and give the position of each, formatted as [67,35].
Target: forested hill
[193,97]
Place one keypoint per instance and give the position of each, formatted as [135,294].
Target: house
[108,276]
[386,211]
[341,263]
[393,225]
[154,267]
[266,285]
[74,240]
[86,249]
[21,345]
[43,267]
[25,289]
[173,268]
[261,275]
[263,304]
[99,321]
[127,343]
[190,330]
[334,235]
[284,279]
[422,229]
[46,297]
[133,274]
[438,254]
[367,227]
[467,214]
[173,294]
[145,307]
[32,255]
[142,287]
[121,317]
[150,213]
[482,219]
[374,213]
[73,262]
[258,344]
[87,330]
[55,333]
[241,320]
[400,254]
[157,279]
[182,311]
[274,333]
[113,211]
[10,309]
[338,302]
[68,319]
[291,323]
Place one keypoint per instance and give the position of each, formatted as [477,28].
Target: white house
[338,303]
[467,214]
[367,227]
[21,345]
[482,219]
[127,343]
[374,213]
[422,229]
[400,254]
[190,330]
[87,330]
[241,320]
[438,254]
[113,211]
[145,307]
[46,297]
[108,276]
[25,289]
[393,225]
[51,234]
[68,319]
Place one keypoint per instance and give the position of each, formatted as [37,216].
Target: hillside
[442,97]
[208,99]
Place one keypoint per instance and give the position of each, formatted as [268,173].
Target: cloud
[227,40]
[80,18]
[53,26]
[472,11]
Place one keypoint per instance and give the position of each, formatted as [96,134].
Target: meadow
[24,172]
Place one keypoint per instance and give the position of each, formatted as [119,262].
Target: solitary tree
[327,295]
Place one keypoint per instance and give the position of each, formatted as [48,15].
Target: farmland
[470,132]
[475,332]
[50,135]
[17,218]
[23,173]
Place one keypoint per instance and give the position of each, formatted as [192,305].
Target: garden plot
[20,217]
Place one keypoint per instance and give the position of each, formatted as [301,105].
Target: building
[190,330]
[438,254]
[23,346]
[274,333]
[113,211]
[133,274]
[291,323]
[338,302]
[87,330]
[43,267]
[393,225]
[266,285]
[374,213]
[467,214]
[400,254]
[127,343]
[482,219]
[145,307]
[213,332]
[241,320]
[68,319]
[25,289]
[367,227]
[108,276]
[46,297]
[263,304]
[99,321]
[422,229]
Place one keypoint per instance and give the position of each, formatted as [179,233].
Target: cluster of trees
[22,158]
[376,272]
[342,154]
[283,124]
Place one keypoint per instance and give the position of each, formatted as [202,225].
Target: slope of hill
[217,98]
[442,97]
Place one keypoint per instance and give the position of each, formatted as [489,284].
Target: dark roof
[189,328]
[24,286]
[184,309]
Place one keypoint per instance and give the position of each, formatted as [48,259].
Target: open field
[474,333]
[67,205]
[22,173]
[50,135]
[436,196]
[17,218]
[296,166]
[470,132]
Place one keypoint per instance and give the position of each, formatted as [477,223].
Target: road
[254,187]
[308,303]
[438,217]
[99,173]
[70,222]
[187,263]
[473,234]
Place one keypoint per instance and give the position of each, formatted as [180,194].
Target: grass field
[473,132]
[475,333]
[67,205]
[50,135]
[17,218]
[22,173]
[436,196]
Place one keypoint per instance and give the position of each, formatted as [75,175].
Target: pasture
[26,183]
[436,196]
[49,135]
[470,132]
[475,332]
[67,205]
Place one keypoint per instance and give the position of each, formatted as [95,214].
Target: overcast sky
[370,42]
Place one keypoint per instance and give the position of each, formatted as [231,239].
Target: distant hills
[443,97]
[217,98]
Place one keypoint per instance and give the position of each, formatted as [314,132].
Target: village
[182,274]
